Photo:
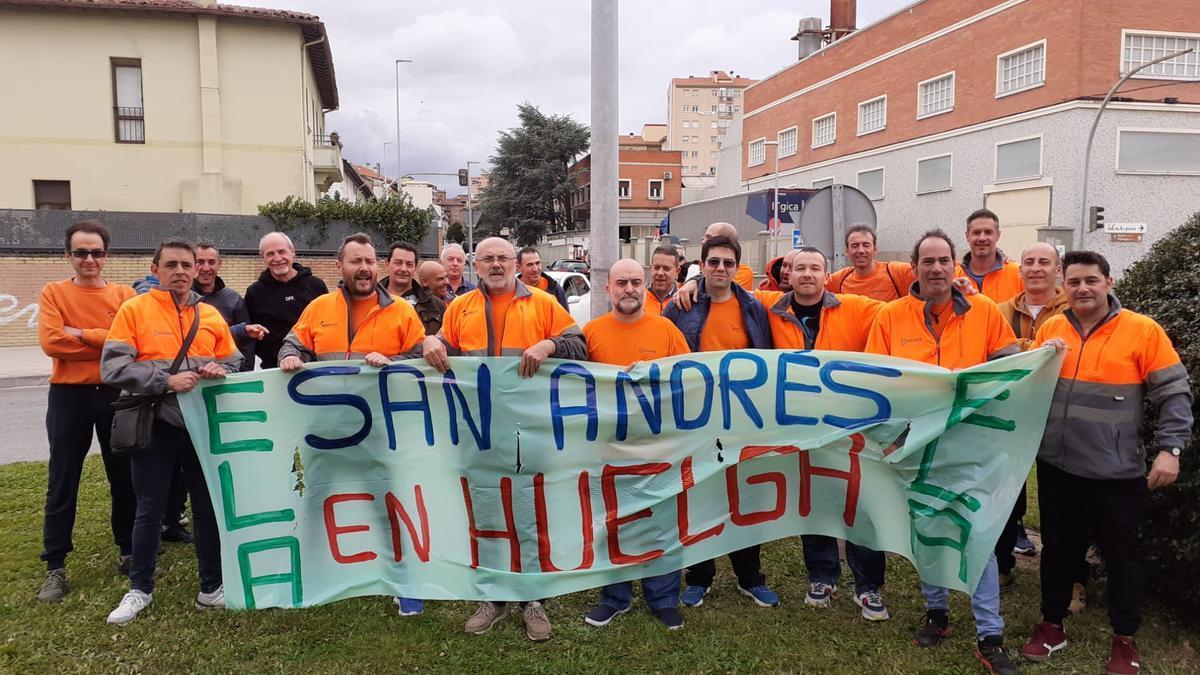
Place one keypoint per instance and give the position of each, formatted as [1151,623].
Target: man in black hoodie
[281,293]
[529,270]
[212,290]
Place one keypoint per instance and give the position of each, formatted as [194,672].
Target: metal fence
[41,230]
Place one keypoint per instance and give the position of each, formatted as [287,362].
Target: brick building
[649,185]
[949,105]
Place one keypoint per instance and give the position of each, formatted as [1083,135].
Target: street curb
[23,381]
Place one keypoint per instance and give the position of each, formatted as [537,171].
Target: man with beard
[503,317]
[939,325]
[623,337]
[992,273]
[884,281]
[280,295]
[401,267]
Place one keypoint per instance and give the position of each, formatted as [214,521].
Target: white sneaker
[131,605]
[214,600]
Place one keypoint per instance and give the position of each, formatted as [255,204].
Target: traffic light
[1095,218]
[462,177]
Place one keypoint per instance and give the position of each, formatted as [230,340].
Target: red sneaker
[1123,659]
[1046,639]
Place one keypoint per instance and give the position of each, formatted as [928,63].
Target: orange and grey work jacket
[146,335]
[975,333]
[532,316]
[325,330]
[1094,427]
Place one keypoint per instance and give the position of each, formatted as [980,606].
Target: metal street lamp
[1087,155]
[398,62]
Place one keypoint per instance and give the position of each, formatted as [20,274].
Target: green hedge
[1166,285]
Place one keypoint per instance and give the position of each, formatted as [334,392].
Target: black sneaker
[602,615]
[670,617]
[935,629]
[177,534]
[990,652]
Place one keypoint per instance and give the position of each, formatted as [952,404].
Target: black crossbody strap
[187,342]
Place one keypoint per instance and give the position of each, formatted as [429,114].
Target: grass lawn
[364,635]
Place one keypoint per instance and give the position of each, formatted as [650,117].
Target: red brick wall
[24,275]
[631,162]
[1083,50]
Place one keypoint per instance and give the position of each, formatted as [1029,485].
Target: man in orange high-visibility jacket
[936,324]
[146,335]
[992,273]
[504,317]
[1091,465]
[881,280]
[357,321]
[664,267]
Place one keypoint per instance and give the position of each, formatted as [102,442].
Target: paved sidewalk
[23,367]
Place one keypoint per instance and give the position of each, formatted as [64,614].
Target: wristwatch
[1174,451]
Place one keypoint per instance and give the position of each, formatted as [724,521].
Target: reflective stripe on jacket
[533,316]
[843,326]
[975,333]
[325,330]
[1094,427]
[145,337]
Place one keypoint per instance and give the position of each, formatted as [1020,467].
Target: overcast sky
[474,61]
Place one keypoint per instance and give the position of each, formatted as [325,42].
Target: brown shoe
[485,616]
[1078,599]
[537,624]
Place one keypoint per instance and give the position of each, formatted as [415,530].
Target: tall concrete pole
[604,215]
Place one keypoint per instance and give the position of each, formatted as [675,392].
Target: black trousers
[1112,511]
[73,413]
[1005,560]
[747,566]
[176,500]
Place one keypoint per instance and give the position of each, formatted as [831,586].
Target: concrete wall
[258,124]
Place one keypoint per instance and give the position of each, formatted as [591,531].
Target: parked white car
[579,294]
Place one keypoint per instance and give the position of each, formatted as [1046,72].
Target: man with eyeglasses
[725,316]
[73,321]
[503,317]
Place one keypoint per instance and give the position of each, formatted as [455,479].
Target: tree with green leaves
[456,232]
[530,190]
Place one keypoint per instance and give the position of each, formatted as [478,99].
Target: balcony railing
[130,125]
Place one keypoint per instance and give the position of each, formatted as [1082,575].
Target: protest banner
[342,480]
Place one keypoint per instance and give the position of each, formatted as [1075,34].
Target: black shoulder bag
[133,416]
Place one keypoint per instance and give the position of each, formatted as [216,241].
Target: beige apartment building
[700,111]
[163,106]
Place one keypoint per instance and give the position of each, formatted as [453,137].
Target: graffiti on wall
[11,311]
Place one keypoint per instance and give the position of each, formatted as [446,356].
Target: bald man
[280,295]
[432,275]
[745,274]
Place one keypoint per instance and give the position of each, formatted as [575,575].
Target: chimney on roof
[842,16]
[810,36]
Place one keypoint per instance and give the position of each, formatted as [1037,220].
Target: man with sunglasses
[724,316]
[73,321]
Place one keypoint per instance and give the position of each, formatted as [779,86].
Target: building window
[129,121]
[695,108]
[1140,48]
[624,185]
[758,152]
[737,108]
[685,139]
[712,154]
[695,139]
[656,189]
[695,153]
[935,96]
[1020,159]
[686,108]
[787,142]
[872,115]
[52,194]
[1159,151]
[824,130]
[713,108]
[823,182]
[870,182]
[712,139]
[1021,69]
[934,174]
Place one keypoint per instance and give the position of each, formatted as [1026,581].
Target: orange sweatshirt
[62,303]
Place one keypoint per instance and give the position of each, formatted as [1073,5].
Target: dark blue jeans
[152,482]
[825,565]
[73,413]
[660,592]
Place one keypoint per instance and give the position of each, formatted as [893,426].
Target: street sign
[1125,236]
[797,242]
[1125,228]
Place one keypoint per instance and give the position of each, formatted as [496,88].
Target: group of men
[934,309]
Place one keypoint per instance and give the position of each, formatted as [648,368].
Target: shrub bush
[1166,285]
